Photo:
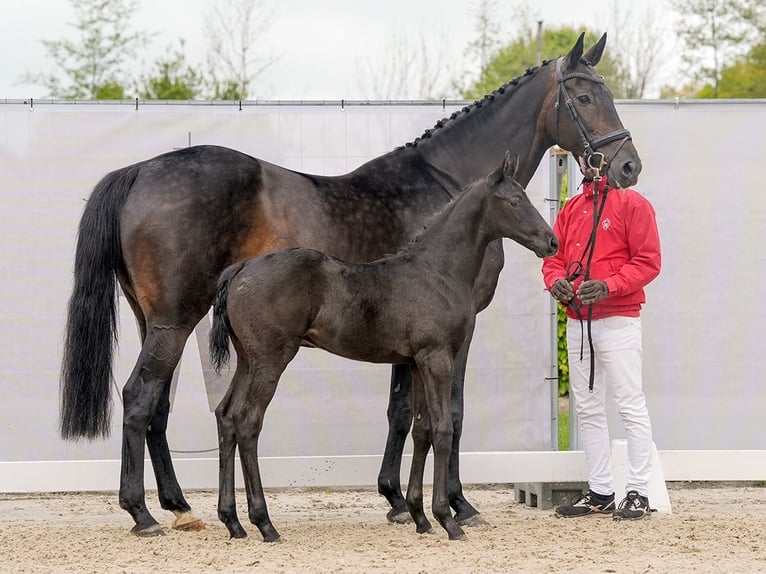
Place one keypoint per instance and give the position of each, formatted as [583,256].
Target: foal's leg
[227,444]
[421,439]
[399,422]
[435,369]
[145,403]
[465,513]
[249,406]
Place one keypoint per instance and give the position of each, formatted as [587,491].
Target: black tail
[219,334]
[91,329]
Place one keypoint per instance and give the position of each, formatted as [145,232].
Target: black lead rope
[575,269]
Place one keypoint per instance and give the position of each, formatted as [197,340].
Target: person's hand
[562,290]
[591,291]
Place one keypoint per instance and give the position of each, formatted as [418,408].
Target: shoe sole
[592,513]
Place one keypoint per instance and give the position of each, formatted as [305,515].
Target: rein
[575,269]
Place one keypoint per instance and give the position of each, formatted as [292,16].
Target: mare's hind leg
[465,513]
[399,422]
[227,443]
[421,439]
[169,491]
[145,403]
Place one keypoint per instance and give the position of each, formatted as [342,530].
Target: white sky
[326,47]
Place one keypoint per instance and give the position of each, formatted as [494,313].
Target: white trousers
[617,349]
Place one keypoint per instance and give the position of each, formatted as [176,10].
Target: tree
[511,61]
[713,32]
[173,79]
[91,66]
[638,48]
[746,78]
[411,72]
[235,62]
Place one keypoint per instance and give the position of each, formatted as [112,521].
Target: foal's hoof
[187,522]
[399,516]
[149,531]
[475,520]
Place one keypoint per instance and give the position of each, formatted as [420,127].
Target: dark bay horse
[414,308]
[165,229]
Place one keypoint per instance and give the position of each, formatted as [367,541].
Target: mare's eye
[584,99]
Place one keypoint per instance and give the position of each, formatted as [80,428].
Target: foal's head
[511,214]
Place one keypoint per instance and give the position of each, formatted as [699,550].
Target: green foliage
[746,78]
[173,79]
[510,61]
[564,430]
[91,66]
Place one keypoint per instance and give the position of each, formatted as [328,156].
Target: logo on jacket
[606,223]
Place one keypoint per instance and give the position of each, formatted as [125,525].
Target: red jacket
[627,255]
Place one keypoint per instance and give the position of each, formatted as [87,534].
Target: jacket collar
[588,186]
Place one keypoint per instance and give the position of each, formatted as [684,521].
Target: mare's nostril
[627,168]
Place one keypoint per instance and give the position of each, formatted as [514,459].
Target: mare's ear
[497,176]
[593,56]
[573,58]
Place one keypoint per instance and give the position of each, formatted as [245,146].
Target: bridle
[594,159]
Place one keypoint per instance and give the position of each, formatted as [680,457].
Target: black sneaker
[633,507]
[590,503]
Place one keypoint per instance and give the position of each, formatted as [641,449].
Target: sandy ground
[713,528]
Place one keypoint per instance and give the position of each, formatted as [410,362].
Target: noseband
[594,159]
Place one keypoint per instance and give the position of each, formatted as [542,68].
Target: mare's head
[584,120]
[511,214]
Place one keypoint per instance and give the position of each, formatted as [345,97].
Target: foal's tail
[219,334]
[91,327]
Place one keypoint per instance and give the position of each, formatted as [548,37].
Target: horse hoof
[273,539]
[187,522]
[461,537]
[471,521]
[149,531]
[399,517]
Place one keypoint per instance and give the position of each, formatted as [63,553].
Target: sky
[321,49]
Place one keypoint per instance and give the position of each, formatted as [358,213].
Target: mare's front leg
[399,422]
[146,406]
[465,513]
[436,373]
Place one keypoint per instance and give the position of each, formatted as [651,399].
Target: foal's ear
[510,167]
[593,56]
[497,176]
[573,58]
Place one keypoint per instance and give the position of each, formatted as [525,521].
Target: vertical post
[558,167]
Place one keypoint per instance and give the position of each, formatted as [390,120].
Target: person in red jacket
[625,258]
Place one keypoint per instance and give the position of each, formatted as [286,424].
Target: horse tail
[91,327]
[219,333]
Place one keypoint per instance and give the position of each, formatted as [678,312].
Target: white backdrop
[703,353]
[50,158]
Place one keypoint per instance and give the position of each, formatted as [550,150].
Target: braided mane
[488,99]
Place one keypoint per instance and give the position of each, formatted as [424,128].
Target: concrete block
[546,495]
